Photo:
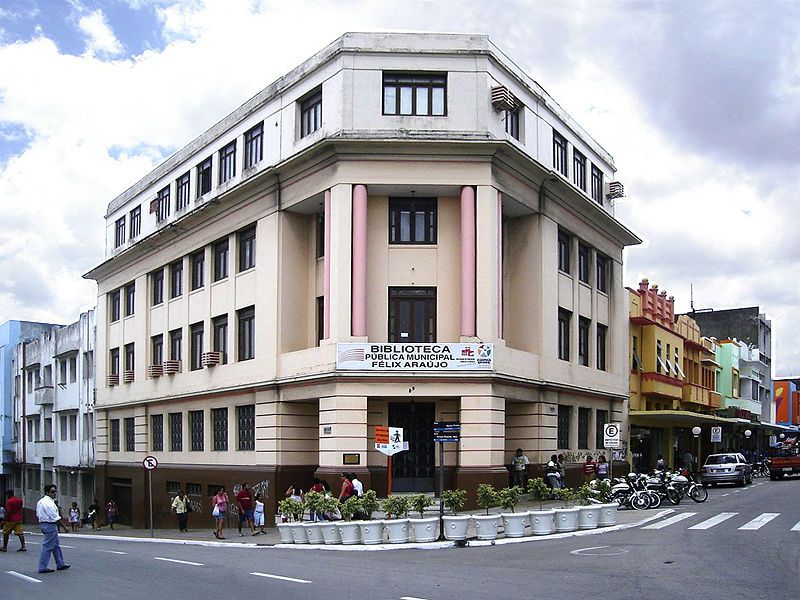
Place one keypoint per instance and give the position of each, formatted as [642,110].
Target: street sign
[150,462]
[446,431]
[716,434]
[611,435]
[394,440]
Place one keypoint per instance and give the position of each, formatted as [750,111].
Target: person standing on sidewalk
[519,466]
[245,500]
[47,513]
[589,468]
[258,516]
[181,506]
[220,510]
[111,513]
[13,522]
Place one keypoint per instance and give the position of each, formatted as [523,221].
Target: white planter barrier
[396,530]
[566,519]
[514,524]
[371,532]
[543,522]
[330,532]
[285,529]
[486,526]
[299,533]
[608,514]
[314,533]
[425,529]
[455,527]
[588,516]
[350,532]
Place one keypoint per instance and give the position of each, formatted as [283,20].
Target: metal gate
[413,471]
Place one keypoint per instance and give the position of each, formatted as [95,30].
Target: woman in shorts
[258,516]
[220,511]
[74,516]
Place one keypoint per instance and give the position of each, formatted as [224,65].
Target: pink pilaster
[359,307]
[326,278]
[500,265]
[468,261]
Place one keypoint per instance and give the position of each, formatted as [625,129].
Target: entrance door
[122,494]
[412,315]
[413,470]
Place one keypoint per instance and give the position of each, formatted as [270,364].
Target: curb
[122,538]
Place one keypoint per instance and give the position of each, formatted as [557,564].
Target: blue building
[11,334]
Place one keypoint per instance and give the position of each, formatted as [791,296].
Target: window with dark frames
[157,283]
[130,435]
[564,317]
[113,367]
[583,428]
[602,273]
[114,305]
[162,209]
[219,424]
[246,425]
[559,153]
[157,349]
[412,315]
[136,221]
[119,232]
[564,414]
[176,432]
[412,220]
[220,337]
[246,241]
[182,192]
[204,177]
[198,260]
[196,346]
[583,341]
[246,318]
[196,430]
[601,418]
[579,169]
[311,113]
[129,357]
[602,335]
[176,279]
[221,259]
[583,263]
[227,162]
[175,344]
[115,435]
[597,185]
[253,145]
[130,299]
[157,433]
[511,122]
[564,246]
[418,94]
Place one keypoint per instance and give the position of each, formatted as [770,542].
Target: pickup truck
[784,461]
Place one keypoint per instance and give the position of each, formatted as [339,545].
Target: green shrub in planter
[329,505]
[539,491]
[583,494]
[350,507]
[509,497]
[419,502]
[395,506]
[312,501]
[603,489]
[487,496]
[291,509]
[454,499]
[369,503]
[566,495]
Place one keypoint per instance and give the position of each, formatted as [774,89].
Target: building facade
[404,229]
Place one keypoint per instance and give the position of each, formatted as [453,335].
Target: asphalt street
[742,543]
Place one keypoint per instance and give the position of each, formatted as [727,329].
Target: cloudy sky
[697,101]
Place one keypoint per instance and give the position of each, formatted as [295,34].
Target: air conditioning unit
[614,190]
[210,359]
[112,380]
[127,376]
[503,99]
[171,367]
[154,371]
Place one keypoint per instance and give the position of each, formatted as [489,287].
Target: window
[320,234]
[115,435]
[175,341]
[412,220]
[601,418]
[129,356]
[88,365]
[320,319]
[564,414]
[196,429]
[157,433]
[419,94]
[176,279]
[130,435]
[677,366]
[583,428]
[637,361]
[227,162]
[157,349]
[182,192]
[221,259]
[602,273]
[196,341]
[559,153]
[114,361]
[583,342]
[73,427]
[162,210]
[198,260]
[220,325]
[597,185]
[668,360]
[119,232]
[253,145]
[246,318]
[114,305]
[62,427]
[219,420]
[73,369]
[157,282]
[564,317]
[511,122]
[246,241]
[130,298]
[564,244]
[311,113]
[204,177]
[173,487]
[136,221]
[578,169]
[194,489]
[583,263]
[246,419]
[659,360]
[175,432]
[412,314]
[602,337]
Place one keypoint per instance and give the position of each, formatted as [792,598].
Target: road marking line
[281,577]
[34,543]
[112,551]
[25,577]
[723,495]
[796,527]
[759,522]
[670,521]
[65,546]
[410,598]
[182,562]
[709,523]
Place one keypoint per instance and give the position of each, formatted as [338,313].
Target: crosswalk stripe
[796,527]
[670,521]
[716,520]
[759,521]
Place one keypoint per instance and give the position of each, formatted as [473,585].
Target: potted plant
[566,517]
[455,525]
[371,531]
[313,502]
[350,531]
[608,508]
[396,527]
[292,511]
[425,527]
[330,529]
[542,521]
[513,523]
[588,511]
[369,503]
[486,525]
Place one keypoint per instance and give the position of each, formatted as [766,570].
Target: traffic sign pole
[150,485]
[389,474]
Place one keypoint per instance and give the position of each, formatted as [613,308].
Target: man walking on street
[13,522]
[245,500]
[181,506]
[47,513]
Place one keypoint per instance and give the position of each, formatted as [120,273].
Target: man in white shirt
[358,487]
[47,514]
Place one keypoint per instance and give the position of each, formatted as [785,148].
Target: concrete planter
[425,530]
[330,532]
[608,514]
[566,519]
[314,533]
[350,532]
[455,527]
[285,529]
[543,522]
[486,526]
[514,524]
[397,530]
[371,532]
[299,533]
[588,516]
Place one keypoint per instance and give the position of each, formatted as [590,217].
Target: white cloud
[100,38]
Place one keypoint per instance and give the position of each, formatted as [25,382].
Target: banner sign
[415,357]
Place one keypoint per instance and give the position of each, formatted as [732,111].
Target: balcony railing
[43,395]
[699,395]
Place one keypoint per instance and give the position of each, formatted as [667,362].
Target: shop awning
[657,418]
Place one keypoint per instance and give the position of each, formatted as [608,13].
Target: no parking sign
[611,435]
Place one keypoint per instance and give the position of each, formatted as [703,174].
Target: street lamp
[696,431]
